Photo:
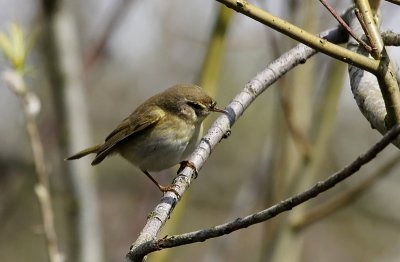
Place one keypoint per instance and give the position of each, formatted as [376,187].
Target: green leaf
[15,46]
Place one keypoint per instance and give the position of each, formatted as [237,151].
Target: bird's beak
[216,109]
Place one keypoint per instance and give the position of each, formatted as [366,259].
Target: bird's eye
[196,106]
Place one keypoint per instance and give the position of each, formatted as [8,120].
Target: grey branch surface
[391,38]
[218,131]
[365,86]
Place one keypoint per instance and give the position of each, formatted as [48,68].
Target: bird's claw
[190,164]
[169,188]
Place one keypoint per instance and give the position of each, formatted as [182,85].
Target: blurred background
[94,62]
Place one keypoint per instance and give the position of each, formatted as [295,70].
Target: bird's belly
[155,152]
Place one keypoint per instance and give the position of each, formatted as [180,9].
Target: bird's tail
[87,151]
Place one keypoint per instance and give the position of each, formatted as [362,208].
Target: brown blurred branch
[396,2]
[285,205]
[30,108]
[343,198]
[253,88]
[298,136]
[96,52]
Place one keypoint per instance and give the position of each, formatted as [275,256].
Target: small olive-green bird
[160,133]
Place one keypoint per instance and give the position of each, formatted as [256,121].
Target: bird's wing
[129,127]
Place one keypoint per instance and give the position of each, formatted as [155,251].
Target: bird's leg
[190,164]
[162,188]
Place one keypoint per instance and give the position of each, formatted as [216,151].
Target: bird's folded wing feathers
[129,127]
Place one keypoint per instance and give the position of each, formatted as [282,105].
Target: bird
[160,133]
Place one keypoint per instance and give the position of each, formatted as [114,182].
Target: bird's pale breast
[169,143]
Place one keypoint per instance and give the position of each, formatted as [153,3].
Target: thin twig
[344,24]
[364,27]
[285,205]
[343,198]
[364,13]
[30,108]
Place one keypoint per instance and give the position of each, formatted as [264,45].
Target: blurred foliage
[16,46]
